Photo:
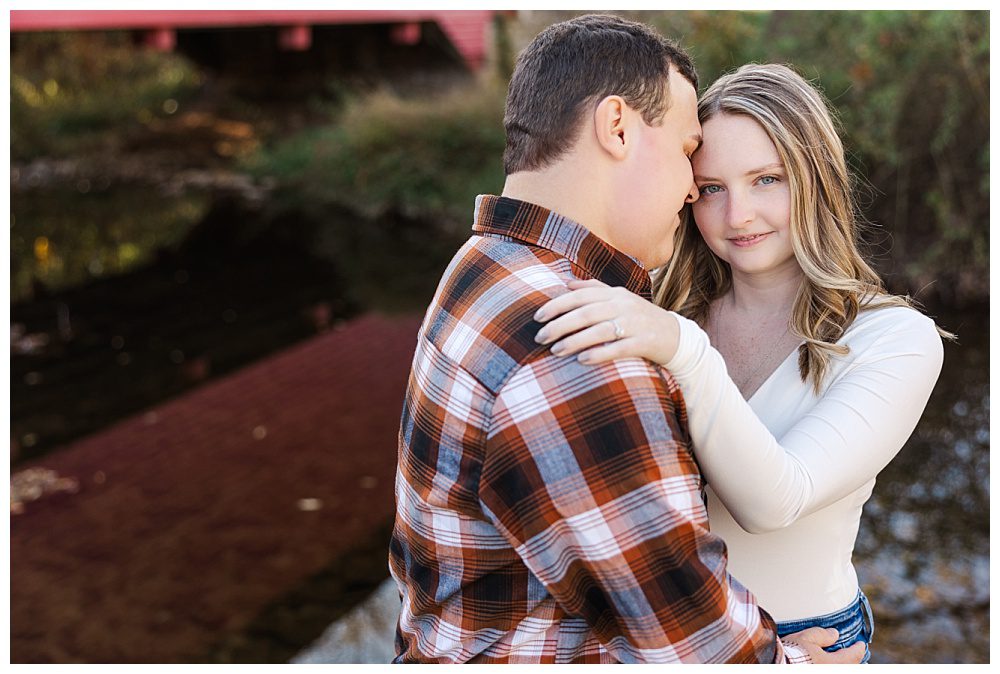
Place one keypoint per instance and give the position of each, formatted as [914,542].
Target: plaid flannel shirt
[546,510]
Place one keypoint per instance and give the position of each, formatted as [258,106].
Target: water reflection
[390,264]
[60,239]
[219,290]
[923,548]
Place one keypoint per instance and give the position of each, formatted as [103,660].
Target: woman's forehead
[735,140]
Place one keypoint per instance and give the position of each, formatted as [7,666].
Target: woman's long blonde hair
[824,218]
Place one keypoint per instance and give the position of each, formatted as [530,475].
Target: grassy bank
[421,158]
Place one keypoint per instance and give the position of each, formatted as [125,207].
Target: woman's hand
[602,323]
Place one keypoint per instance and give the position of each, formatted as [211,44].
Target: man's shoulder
[482,315]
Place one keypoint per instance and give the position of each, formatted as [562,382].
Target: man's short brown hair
[576,63]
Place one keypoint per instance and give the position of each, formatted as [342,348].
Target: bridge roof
[465,29]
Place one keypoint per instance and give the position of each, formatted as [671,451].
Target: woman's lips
[748,241]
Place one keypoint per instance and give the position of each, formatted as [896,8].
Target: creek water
[176,289]
[922,553]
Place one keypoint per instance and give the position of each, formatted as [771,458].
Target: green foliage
[911,90]
[69,91]
[423,158]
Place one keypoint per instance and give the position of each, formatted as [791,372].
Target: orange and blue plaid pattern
[546,510]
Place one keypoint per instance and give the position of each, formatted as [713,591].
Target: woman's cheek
[703,220]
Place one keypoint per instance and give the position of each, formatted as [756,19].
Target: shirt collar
[538,226]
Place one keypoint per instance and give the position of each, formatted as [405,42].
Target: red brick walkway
[189,519]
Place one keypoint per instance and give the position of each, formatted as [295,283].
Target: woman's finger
[821,636]
[603,353]
[583,317]
[601,333]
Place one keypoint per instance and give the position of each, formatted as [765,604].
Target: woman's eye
[768,180]
[710,189]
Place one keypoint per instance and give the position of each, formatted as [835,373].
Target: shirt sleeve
[861,421]
[588,476]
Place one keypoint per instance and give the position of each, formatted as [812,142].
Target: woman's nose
[739,212]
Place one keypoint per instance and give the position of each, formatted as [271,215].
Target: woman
[817,376]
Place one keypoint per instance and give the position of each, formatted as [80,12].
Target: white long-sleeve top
[789,470]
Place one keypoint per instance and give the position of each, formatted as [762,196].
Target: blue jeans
[855,623]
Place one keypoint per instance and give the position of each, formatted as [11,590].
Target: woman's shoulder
[879,311]
[892,326]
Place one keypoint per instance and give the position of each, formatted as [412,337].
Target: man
[550,511]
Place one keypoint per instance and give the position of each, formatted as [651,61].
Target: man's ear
[610,122]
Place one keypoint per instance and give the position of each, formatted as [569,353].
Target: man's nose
[693,194]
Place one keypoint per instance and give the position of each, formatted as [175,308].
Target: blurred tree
[911,91]
[72,92]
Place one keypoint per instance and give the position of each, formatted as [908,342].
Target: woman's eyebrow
[762,169]
[766,167]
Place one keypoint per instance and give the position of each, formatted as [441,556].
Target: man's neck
[564,189]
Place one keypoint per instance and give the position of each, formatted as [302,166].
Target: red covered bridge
[465,30]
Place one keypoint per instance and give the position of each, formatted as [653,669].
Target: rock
[365,635]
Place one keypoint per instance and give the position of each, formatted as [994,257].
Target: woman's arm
[861,422]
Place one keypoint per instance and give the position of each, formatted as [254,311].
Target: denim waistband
[854,623]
